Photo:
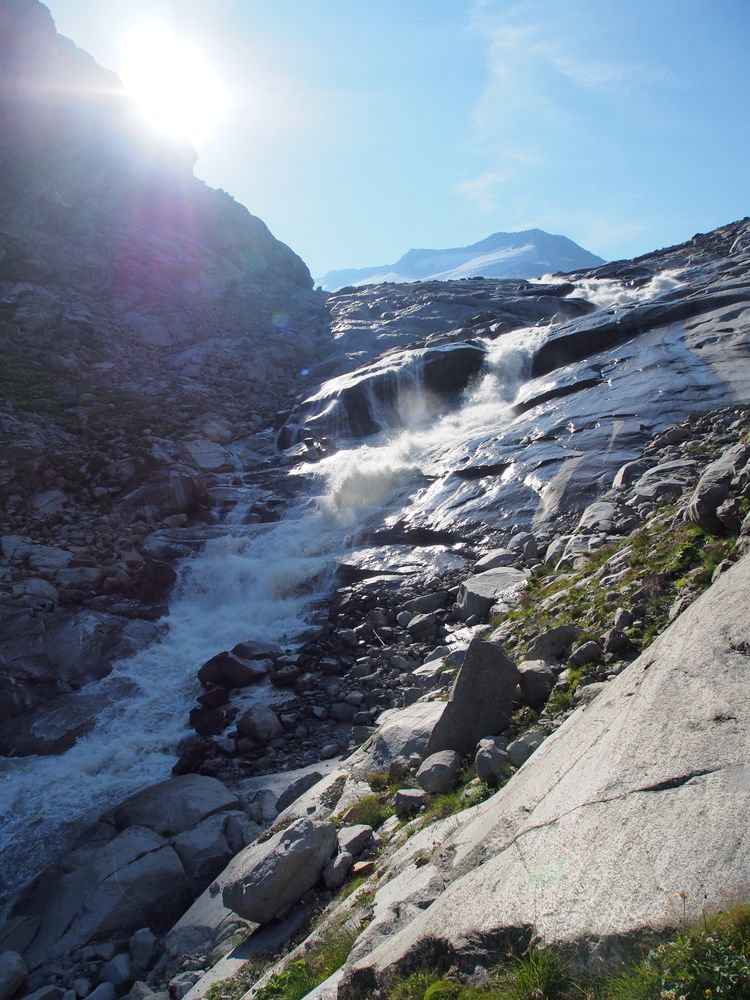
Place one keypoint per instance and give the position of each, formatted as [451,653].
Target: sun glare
[172,83]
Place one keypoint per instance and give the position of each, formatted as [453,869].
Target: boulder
[104,991]
[118,971]
[623,619]
[175,805]
[206,455]
[78,578]
[260,723]
[264,806]
[181,984]
[218,430]
[521,749]
[342,711]
[285,676]
[47,558]
[335,872]
[12,973]
[104,892]
[142,991]
[204,851]
[49,654]
[481,700]
[56,725]
[439,771]
[272,876]
[142,947]
[296,788]
[713,488]
[524,543]
[729,515]
[424,626]
[433,673]
[629,473]
[438,653]
[409,801]
[477,594]
[254,649]
[566,551]
[598,517]
[586,693]
[401,732]
[177,490]
[615,641]
[491,760]
[537,681]
[631,812]
[554,644]
[495,559]
[587,652]
[231,671]
[429,602]
[663,480]
[555,551]
[354,839]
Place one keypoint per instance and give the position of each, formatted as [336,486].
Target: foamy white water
[365,474]
[608,293]
[257,585]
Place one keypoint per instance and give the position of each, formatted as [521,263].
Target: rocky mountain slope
[528,254]
[404,660]
[535,607]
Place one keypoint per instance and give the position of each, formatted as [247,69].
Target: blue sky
[360,128]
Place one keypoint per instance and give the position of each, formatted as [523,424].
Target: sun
[172,83]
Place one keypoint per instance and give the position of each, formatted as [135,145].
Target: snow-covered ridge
[528,254]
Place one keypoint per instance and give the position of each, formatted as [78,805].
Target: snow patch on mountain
[529,254]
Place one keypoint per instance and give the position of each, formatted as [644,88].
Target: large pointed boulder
[481,700]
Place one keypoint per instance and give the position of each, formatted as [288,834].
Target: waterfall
[253,581]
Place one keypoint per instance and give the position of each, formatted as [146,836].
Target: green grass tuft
[708,961]
[541,974]
[373,810]
[302,976]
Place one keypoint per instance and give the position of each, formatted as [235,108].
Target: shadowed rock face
[481,700]
[146,322]
[148,247]
[387,394]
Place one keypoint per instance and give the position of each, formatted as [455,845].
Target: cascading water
[254,585]
[426,442]
[253,582]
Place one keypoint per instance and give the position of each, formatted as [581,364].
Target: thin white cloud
[481,190]
[548,81]
[525,52]
[598,74]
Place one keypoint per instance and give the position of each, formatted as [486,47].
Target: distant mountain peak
[530,253]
